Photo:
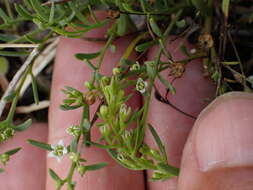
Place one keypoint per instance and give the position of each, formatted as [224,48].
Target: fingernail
[224,134]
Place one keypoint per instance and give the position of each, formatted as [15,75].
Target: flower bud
[9,132]
[135,67]
[81,170]
[74,156]
[105,80]
[116,71]
[104,129]
[4,158]
[104,111]
[124,111]
[74,130]
[89,85]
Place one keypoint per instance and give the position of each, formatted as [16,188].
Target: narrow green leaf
[100,145]
[4,16]
[40,10]
[96,166]
[54,175]
[87,56]
[151,71]
[66,20]
[7,37]
[1,170]
[52,12]
[129,9]
[90,65]
[168,169]
[124,25]
[23,12]
[79,33]
[167,84]
[225,7]
[77,12]
[13,151]
[40,144]
[145,46]
[113,154]
[230,62]
[23,126]
[158,141]
[66,107]
[35,89]
[155,27]
[13,53]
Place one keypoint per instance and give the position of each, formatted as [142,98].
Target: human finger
[70,72]
[27,168]
[218,154]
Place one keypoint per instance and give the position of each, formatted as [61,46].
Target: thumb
[218,154]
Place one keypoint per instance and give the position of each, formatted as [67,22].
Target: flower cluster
[141,85]
[74,130]
[58,150]
[6,134]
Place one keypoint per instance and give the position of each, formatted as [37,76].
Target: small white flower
[141,85]
[74,130]
[59,150]
[135,66]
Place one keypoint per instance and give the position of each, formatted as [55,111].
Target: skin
[213,152]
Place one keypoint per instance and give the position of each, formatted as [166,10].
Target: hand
[214,152]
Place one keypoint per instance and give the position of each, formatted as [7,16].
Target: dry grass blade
[17,77]
[45,57]
[33,107]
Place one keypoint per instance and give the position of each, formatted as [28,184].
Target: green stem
[71,173]
[143,6]
[10,13]
[8,8]
[209,17]
[93,16]
[85,115]
[103,51]
[143,121]
[22,38]
[167,32]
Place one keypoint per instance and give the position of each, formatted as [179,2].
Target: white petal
[142,90]
[58,158]
[60,142]
[53,146]
[64,151]
[51,154]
